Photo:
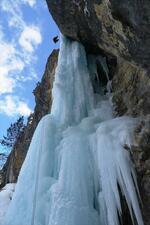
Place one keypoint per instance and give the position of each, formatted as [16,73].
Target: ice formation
[76,160]
[6,194]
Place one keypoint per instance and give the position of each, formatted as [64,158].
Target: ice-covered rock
[76,162]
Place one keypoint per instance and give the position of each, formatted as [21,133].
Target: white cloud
[30,38]
[12,106]
[7,84]
[6,50]
[17,57]
[13,11]
[9,63]
[23,109]
[10,58]
[30,2]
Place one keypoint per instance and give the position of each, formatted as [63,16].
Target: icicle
[72,92]
[103,63]
[115,167]
[109,87]
[86,11]
[92,67]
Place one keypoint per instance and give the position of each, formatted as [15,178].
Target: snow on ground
[5,198]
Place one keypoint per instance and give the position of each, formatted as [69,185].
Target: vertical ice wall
[76,159]
[72,92]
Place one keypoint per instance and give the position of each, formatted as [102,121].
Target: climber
[55,39]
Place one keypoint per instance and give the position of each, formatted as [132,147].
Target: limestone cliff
[119,30]
[43,99]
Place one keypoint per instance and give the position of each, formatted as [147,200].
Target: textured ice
[5,198]
[76,159]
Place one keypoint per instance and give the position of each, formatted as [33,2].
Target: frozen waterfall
[76,165]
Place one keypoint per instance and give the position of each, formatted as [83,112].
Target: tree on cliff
[13,133]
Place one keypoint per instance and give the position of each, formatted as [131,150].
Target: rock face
[120,30]
[117,27]
[43,99]
[141,157]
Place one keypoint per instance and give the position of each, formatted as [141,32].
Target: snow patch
[5,198]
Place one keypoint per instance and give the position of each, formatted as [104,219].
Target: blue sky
[26,32]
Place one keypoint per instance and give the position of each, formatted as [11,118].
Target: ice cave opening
[76,166]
